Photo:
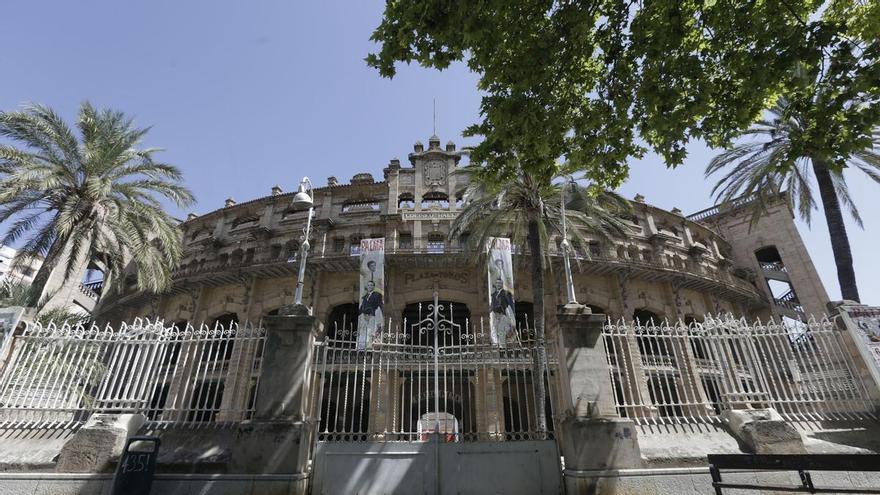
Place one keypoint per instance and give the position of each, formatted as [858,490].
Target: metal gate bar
[433,376]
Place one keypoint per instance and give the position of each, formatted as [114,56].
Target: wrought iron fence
[437,375]
[679,373]
[187,375]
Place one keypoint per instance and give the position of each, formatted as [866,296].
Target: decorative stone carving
[435,173]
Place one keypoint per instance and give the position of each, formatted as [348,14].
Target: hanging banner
[372,303]
[502,321]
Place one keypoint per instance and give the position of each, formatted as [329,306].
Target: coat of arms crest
[435,173]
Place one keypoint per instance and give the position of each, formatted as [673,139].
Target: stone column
[382,386]
[277,440]
[590,393]
[592,436]
[487,396]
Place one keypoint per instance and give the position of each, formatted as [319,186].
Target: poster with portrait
[502,319]
[864,325]
[371,306]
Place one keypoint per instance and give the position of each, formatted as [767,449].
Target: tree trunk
[538,305]
[846,275]
[42,277]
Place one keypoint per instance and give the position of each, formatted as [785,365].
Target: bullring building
[240,261]
[450,354]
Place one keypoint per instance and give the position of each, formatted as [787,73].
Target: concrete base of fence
[97,446]
[164,484]
[249,448]
[763,431]
[597,444]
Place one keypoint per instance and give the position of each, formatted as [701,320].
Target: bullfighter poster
[502,319]
[371,306]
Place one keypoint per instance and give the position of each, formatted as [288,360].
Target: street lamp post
[566,246]
[304,198]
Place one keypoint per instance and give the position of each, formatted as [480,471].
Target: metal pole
[565,248]
[304,250]
[436,320]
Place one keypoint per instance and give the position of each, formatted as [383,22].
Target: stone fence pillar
[278,438]
[593,436]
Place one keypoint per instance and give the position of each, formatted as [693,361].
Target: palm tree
[90,197]
[529,209]
[762,169]
[14,293]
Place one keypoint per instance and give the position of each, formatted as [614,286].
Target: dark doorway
[342,322]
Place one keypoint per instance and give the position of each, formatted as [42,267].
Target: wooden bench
[802,463]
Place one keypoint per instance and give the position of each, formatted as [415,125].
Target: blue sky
[246,95]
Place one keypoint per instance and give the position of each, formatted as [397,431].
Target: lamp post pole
[304,198]
[566,246]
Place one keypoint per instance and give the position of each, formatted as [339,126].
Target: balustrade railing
[772,266]
[276,254]
[92,289]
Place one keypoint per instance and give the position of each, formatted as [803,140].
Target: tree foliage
[600,81]
[495,209]
[95,196]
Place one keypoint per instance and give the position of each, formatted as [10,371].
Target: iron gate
[433,406]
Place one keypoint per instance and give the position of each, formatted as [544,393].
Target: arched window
[405,240]
[651,338]
[435,200]
[220,347]
[291,251]
[355,243]
[342,322]
[646,317]
[769,259]
[406,201]
[768,254]
[172,349]
[699,347]
[524,312]
[436,243]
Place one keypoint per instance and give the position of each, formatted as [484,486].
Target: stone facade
[242,259]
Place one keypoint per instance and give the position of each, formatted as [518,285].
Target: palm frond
[98,195]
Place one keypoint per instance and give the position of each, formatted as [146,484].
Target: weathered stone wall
[775,228]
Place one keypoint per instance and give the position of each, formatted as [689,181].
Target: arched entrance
[427,387]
